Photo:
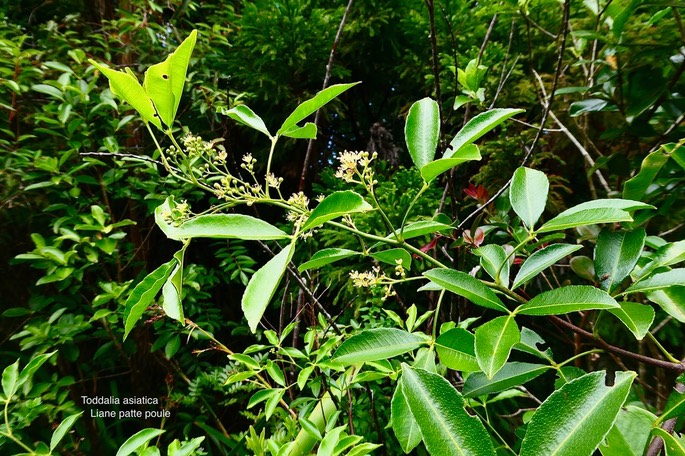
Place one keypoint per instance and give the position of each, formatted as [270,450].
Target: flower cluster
[348,166]
[373,278]
[177,213]
[196,147]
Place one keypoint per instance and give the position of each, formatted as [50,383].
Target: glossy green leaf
[638,318]
[326,256]
[528,195]
[510,375]
[674,277]
[675,407]
[143,294]
[263,284]
[541,260]
[469,287]
[320,416]
[438,408]
[48,90]
[9,379]
[172,291]
[590,105]
[422,131]
[478,126]
[422,228]
[636,187]
[392,256]
[223,226]
[62,429]
[187,448]
[377,344]
[312,105]
[567,220]
[493,259]
[533,344]
[494,341]
[674,443]
[336,205]
[307,131]
[613,203]
[124,85]
[138,440]
[666,255]
[402,421]
[584,267]
[672,300]
[630,434]
[616,254]
[433,169]
[246,116]
[572,298]
[456,349]
[574,419]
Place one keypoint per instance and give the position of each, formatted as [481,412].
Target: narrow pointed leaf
[172,295]
[672,300]
[528,195]
[377,344]
[636,187]
[262,286]
[494,341]
[312,105]
[616,254]
[493,259]
[438,409]
[433,169]
[307,131]
[422,228]
[478,126]
[319,417]
[31,368]
[572,298]
[326,256]
[666,255]
[612,203]
[138,440]
[469,287]
[223,226]
[9,380]
[246,116]
[143,294]
[336,205]
[674,277]
[422,131]
[541,260]
[584,217]
[456,349]
[574,419]
[630,434]
[62,430]
[402,421]
[510,375]
[638,318]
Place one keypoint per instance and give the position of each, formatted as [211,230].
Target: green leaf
[531,342]
[307,131]
[31,367]
[674,277]
[616,254]
[541,260]
[319,417]
[138,440]
[584,267]
[637,317]
[572,298]
[336,205]
[125,86]
[326,256]
[312,105]
[675,446]
[493,259]
[567,220]
[310,428]
[433,169]
[143,294]
[675,407]
[377,344]
[246,116]
[672,300]
[62,430]
[48,90]
[666,255]
[528,195]
[172,291]
[438,409]
[510,375]
[456,349]
[590,105]
[494,341]
[478,126]
[187,449]
[630,434]
[223,226]
[462,284]
[9,380]
[392,256]
[262,286]
[422,131]
[636,187]
[164,81]
[613,203]
[421,228]
[402,421]
[574,419]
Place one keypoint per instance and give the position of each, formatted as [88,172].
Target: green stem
[436,315]
[411,206]
[274,139]
[668,356]
[594,350]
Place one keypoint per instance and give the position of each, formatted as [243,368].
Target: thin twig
[124,156]
[483,45]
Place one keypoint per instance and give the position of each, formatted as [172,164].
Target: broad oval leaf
[402,421]
[336,205]
[672,300]
[433,169]
[138,440]
[9,380]
[478,126]
[528,195]
[493,259]
[616,254]
[469,287]
[494,341]
[674,277]
[377,344]
[572,298]
[438,408]
[574,419]
[397,256]
[541,260]
[638,318]
[143,294]
[456,349]
[573,219]
[310,106]
[246,116]
[510,375]
[262,286]
[422,131]
[223,226]
[326,256]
